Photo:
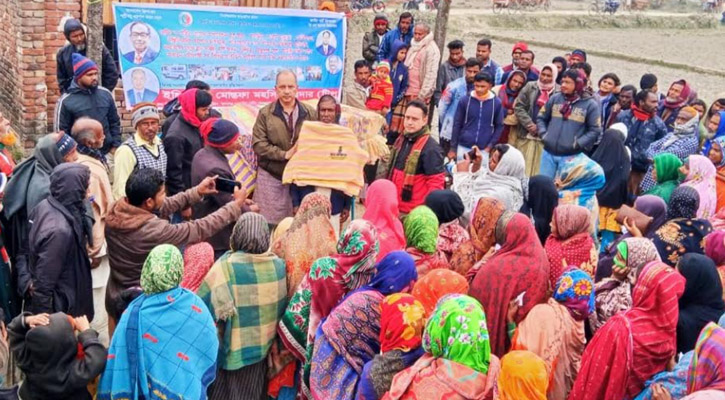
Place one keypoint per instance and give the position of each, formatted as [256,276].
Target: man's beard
[93,85]
[80,47]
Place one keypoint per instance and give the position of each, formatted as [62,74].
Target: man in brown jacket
[275,132]
[139,222]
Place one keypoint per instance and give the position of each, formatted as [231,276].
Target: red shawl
[381,209]
[633,345]
[187,100]
[519,266]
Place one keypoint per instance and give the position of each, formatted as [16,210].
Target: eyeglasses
[139,35]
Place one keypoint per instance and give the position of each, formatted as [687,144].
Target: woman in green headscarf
[457,363]
[165,344]
[421,234]
[665,173]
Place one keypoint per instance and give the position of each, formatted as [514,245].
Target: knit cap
[380,18]
[219,132]
[82,65]
[521,46]
[144,111]
[383,64]
[580,53]
[65,144]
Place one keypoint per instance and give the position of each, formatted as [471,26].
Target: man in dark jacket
[76,35]
[478,120]
[450,70]
[644,127]
[172,108]
[371,40]
[59,265]
[569,123]
[414,181]
[403,32]
[275,132]
[221,137]
[184,139]
[86,99]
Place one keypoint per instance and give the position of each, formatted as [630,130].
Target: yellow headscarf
[523,376]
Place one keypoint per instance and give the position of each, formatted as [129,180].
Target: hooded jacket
[386,45]
[131,233]
[59,235]
[574,135]
[477,122]
[398,74]
[97,103]
[56,364]
[64,62]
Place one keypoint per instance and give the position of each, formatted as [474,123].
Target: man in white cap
[143,150]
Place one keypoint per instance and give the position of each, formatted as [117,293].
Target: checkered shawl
[247,293]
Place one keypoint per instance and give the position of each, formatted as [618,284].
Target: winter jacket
[371,46]
[55,363]
[526,108]
[641,134]
[477,123]
[429,175]
[578,133]
[132,232]
[59,265]
[447,73]
[671,116]
[101,191]
[98,104]
[181,143]
[271,139]
[451,97]
[386,45]
[427,51]
[209,162]
[398,75]
[355,95]
[64,68]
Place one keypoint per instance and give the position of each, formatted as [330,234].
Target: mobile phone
[226,185]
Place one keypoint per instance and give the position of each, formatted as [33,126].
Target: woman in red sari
[633,345]
[520,266]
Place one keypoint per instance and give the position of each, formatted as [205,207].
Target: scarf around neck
[640,114]
[419,140]
[546,89]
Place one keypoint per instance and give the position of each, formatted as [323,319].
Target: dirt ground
[642,47]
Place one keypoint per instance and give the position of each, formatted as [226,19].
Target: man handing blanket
[327,158]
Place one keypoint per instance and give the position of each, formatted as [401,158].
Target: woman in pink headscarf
[381,210]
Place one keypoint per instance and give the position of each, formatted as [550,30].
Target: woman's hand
[659,392]
[512,311]
[37,320]
[632,228]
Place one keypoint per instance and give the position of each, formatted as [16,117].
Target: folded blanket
[328,155]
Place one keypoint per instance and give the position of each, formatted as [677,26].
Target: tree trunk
[444,7]
[95,33]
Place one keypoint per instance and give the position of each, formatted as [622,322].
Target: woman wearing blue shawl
[578,178]
[348,338]
[165,345]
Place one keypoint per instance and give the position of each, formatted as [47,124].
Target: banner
[237,51]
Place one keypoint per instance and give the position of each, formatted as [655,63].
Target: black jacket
[48,357]
[181,143]
[59,265]
[64,68]
[209,162]
[98,104]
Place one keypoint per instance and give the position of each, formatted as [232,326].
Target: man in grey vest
[143,150]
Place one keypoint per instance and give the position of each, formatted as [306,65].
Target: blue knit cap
[65,144]
[82,65]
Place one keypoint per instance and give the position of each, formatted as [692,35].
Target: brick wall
[10,82]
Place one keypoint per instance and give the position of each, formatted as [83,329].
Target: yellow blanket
[328,155]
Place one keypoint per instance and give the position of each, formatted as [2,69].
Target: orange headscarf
[523,376]
[401,323]
[436,284]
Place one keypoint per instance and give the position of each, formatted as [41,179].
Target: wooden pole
[94,36]
[444,8]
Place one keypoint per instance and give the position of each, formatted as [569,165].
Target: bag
[641,221]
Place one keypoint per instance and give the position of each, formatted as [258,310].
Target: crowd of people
[555,241]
